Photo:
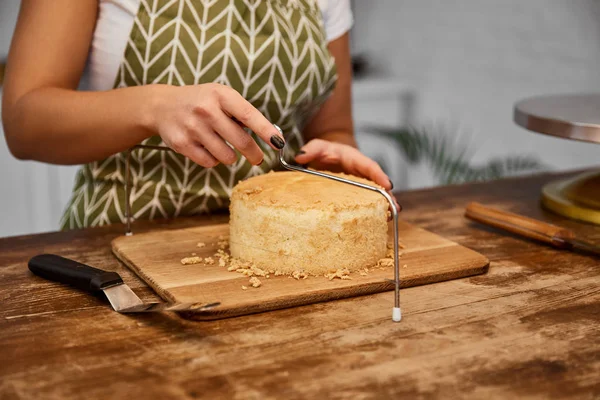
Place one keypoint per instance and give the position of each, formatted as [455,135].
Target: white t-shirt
[116,17]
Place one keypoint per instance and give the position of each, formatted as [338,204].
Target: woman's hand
[324,154]
[199,121]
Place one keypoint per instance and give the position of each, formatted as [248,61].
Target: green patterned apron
[272,52]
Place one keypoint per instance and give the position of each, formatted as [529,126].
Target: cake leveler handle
[396,312]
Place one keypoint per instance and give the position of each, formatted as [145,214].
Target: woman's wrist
[152,100]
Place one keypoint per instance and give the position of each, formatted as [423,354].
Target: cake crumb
[404,266]
[385,262]
[390,246]
[193,254]
[390,253]
[299,274]
[191,260]
[268,276]
[209,260]
[253,190]
[257,271]
[221,255]
[341,273]
[255,282]
[245,271]
[232,268]
[223,244]
[243,267]
[244,287]
[201,244]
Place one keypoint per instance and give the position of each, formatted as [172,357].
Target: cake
[294,221]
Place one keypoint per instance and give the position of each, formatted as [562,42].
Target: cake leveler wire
[396,312]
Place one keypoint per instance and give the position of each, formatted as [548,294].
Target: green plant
[449,156]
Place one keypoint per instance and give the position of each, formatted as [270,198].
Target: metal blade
[124,300]
[584,246]
[122,297]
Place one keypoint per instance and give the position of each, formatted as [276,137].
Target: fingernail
[261,161]
[391,183]
[301,152]
[277,142]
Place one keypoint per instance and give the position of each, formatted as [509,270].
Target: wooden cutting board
[156,258]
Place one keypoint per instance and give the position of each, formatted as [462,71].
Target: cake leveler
[396,312]
[84,277]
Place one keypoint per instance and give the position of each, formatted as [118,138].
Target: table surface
[529,328]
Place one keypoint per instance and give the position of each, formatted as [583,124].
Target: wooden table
[528,329]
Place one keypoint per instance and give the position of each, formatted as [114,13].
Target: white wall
[471,60]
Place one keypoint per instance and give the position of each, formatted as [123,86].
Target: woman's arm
[333,121]
[46,119]
[330,134]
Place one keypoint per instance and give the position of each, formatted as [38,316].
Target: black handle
[64,270]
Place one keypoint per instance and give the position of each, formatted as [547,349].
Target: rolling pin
[538,230]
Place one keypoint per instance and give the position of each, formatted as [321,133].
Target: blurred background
[433,96]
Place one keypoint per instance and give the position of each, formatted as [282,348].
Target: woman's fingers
[201,156]
[362,165]
[350,159]
[201,132]
[321,151]
[213,128]
[235,105]
[194,151]
[238,138]
[212,142]
[214,115]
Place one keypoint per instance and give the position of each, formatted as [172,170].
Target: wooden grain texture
[528,329]
[519,224]
[155,257]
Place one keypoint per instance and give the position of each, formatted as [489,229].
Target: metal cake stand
[572,117]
